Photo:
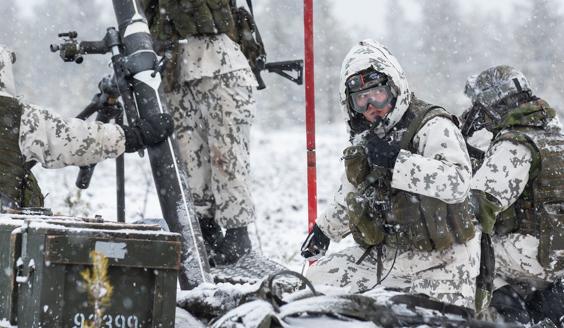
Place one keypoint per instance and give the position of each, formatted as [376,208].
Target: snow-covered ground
[278,159]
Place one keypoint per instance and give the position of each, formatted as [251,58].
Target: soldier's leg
[189,106]
[449,275]
[516,259]
[342,269]
[230,117]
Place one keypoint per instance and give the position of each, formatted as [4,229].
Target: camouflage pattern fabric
[504,172]
[334,221]
[448,275]
[504,175]
[56,142]
[438,167]
[209,56]
[516,259]
[213,117]
[441,166]
[495,83]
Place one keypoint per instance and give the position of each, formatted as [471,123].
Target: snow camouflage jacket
[437,167]
[523,172]
[30,133]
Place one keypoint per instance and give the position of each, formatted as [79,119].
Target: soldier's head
[373,87]
[494,93]
[369,94]
[7,84]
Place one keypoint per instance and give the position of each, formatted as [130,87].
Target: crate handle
[24,279]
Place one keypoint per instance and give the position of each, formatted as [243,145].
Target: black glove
[380,152]
[315,245]
[148,131]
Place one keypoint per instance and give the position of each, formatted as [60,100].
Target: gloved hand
[315,245]
[380,152]
[148,131]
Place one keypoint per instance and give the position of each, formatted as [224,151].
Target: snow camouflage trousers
[448,276]
[516,259]
[213,117]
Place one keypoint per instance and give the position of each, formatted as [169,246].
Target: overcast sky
[369,15]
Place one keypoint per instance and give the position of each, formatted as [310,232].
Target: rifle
[137,74]
[473,121]
[281,68]
[257,54]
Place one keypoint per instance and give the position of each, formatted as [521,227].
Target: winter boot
[510,305]
[211,231]
[548,303]
[234,245]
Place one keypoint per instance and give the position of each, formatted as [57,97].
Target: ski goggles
[368,89]
[379,97]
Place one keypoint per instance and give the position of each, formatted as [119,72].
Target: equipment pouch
[551,236]
[435,216]
[506,222]
[181,13]
[366,227]
[460,222]
[222,16]
[171,73]
[203,17]
[356,164]
[32,195]
[413,231]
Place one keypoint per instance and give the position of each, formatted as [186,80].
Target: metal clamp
[24,279]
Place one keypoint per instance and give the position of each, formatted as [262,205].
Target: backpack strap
[419,121]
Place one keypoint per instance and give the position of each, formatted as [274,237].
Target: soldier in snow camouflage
[209,91]
[29,133]
[404,193]
[520,185]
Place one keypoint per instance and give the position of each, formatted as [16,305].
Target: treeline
[438,42]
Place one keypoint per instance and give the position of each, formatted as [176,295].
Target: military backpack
[17,183]
[539,210]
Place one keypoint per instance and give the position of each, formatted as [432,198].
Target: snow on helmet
[494,84]
[7,83]
[370,55]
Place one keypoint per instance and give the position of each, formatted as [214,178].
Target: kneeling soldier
[408,175]
[520,187]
